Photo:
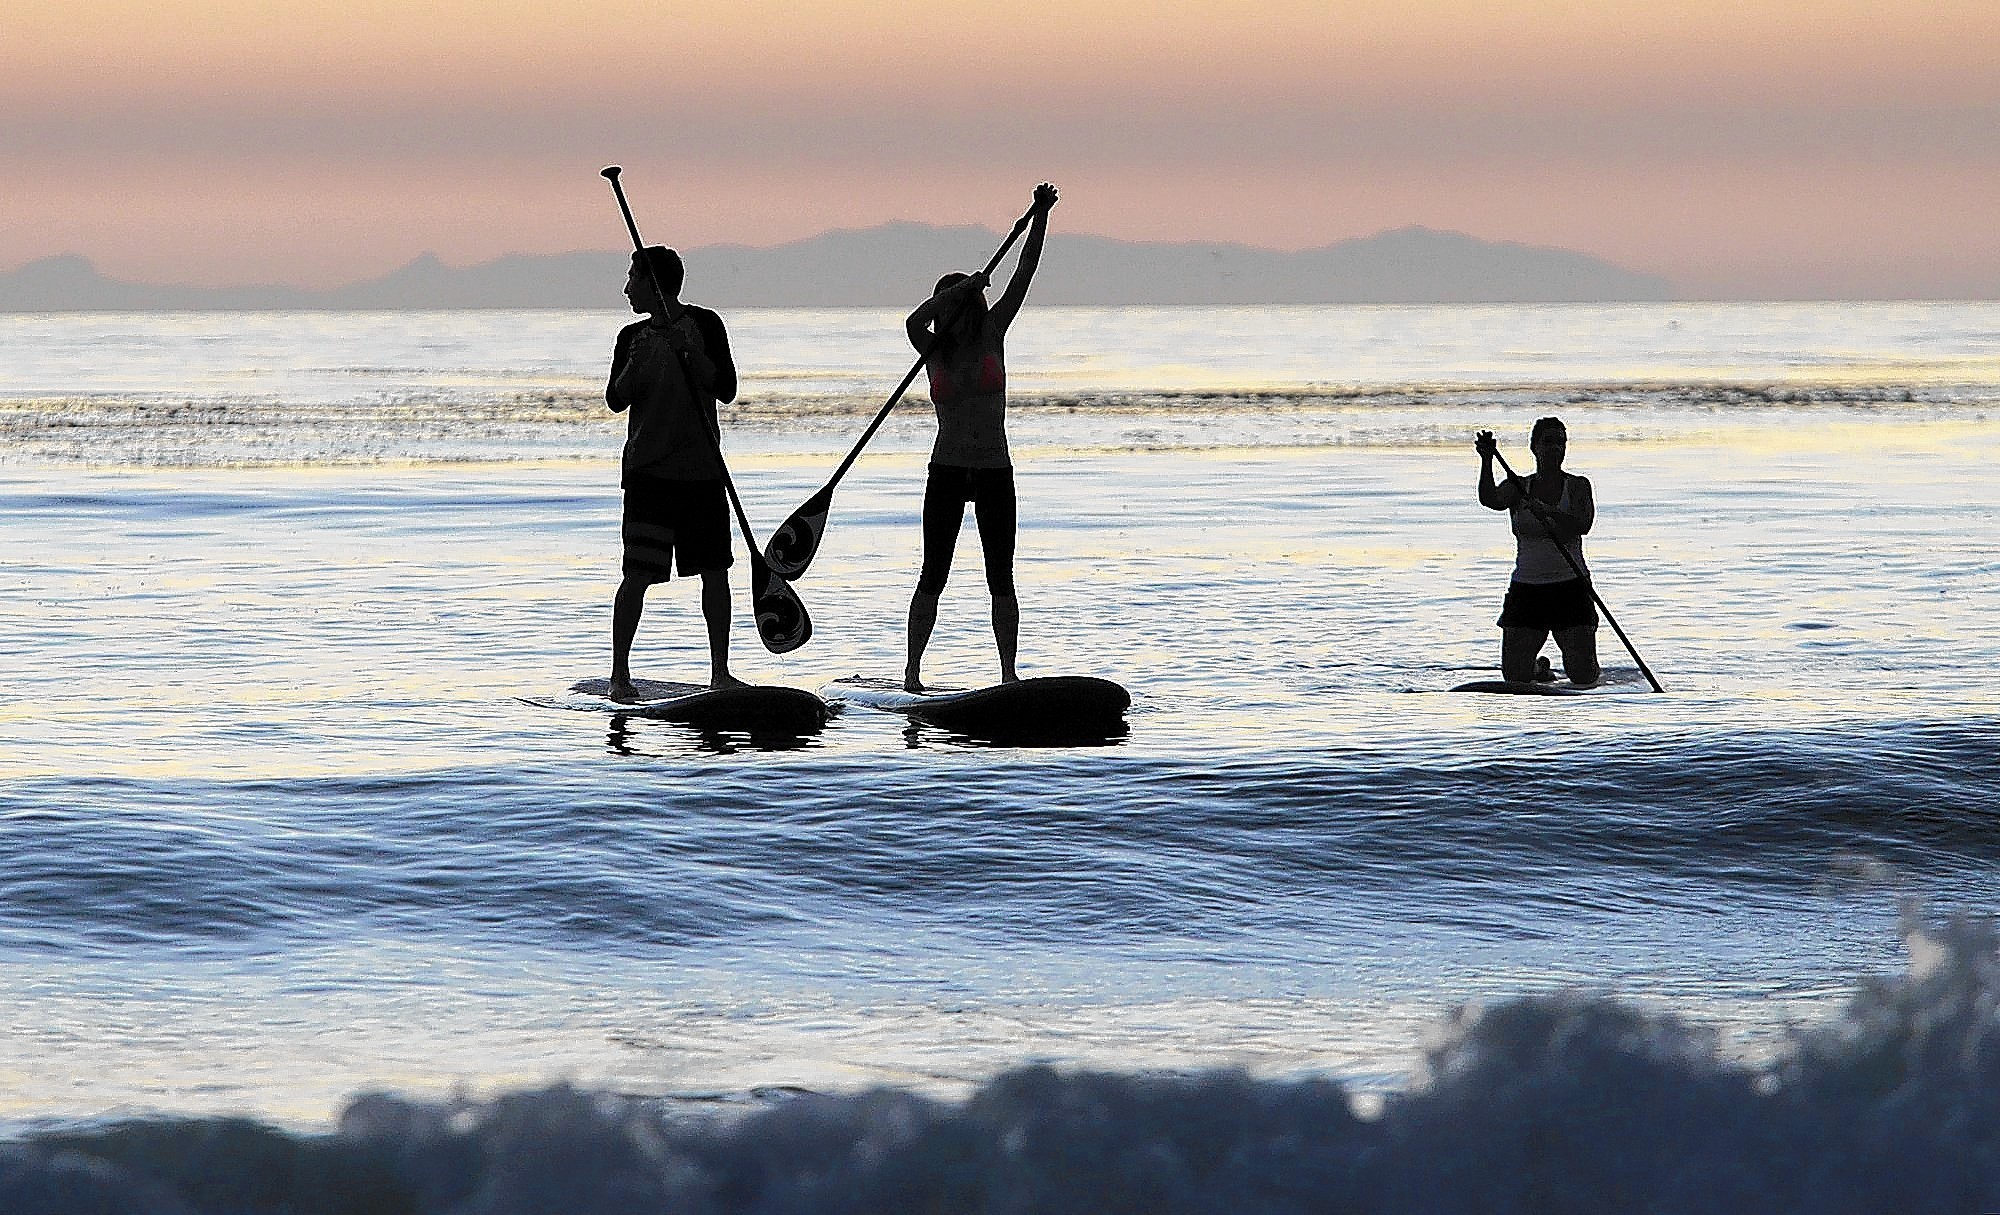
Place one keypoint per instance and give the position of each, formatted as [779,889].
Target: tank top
[1537,560]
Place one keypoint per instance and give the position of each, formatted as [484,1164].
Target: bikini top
[947,385]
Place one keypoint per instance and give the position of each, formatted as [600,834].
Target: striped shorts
[674,525]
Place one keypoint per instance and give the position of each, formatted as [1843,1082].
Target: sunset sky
[1741,148]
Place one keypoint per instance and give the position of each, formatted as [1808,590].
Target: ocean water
[280,827]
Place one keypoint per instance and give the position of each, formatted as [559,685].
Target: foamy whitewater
[309,906]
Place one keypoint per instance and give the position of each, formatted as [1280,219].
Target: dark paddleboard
[1048,707]
[753,709]
[1518,687]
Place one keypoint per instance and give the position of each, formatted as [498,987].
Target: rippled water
[277,824]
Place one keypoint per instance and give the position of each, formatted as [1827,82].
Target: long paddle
[794,545]
[1562,548]
[782,623]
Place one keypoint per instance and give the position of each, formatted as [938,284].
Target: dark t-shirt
[661,439]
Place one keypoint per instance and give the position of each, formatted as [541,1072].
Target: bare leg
[996,516]
[1518,648]
[626,609]
[1007,634]
[1579,650]
[715,610]
[923,618]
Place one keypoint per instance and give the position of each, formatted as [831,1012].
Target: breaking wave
[1568,1102]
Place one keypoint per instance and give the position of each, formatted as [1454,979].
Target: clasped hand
[678,336]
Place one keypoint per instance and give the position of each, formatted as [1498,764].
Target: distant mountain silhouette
[895,265]
[70,283]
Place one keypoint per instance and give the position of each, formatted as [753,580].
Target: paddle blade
[782,623]
[793,546]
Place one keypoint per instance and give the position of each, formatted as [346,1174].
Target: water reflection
[917,735]
[620,738]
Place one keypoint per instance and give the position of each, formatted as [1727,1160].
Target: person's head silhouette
[656,262]
[1549,441]
[966,318]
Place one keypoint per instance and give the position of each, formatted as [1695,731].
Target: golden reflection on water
[383,619]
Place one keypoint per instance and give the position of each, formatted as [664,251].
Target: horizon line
[1192,242]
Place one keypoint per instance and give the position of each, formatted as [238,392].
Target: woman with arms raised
[961,339]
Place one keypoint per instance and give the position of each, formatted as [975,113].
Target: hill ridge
[894,264]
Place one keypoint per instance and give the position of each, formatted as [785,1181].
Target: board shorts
[1548,605]
[991,492]
[672,525]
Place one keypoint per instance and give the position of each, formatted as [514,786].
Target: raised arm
[1010,301]
[918,325]
[1492,496]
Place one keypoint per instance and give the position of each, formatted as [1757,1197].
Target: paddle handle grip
[610,173]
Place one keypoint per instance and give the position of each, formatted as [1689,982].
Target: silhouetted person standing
[962,341]
[667,373]
[1546,595]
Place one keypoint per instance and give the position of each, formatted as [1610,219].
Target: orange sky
[1747,148]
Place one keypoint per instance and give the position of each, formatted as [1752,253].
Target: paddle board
[1517,687]
[752,709]
[1057,706]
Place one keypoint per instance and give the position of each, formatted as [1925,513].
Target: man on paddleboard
[962,343]
[667,374]
[1550,592]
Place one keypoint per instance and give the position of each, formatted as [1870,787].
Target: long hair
[962,324]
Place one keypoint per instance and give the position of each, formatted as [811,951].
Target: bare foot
[1009,677]
[622,691]
[723,679]
[1544,672]
[911,683]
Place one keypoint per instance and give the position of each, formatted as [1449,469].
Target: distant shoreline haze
[895,264]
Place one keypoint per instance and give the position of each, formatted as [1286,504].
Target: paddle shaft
[882,414]
[714,442]
[1542,515]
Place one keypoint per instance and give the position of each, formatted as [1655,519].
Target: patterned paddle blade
[793,546]
[782,622]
